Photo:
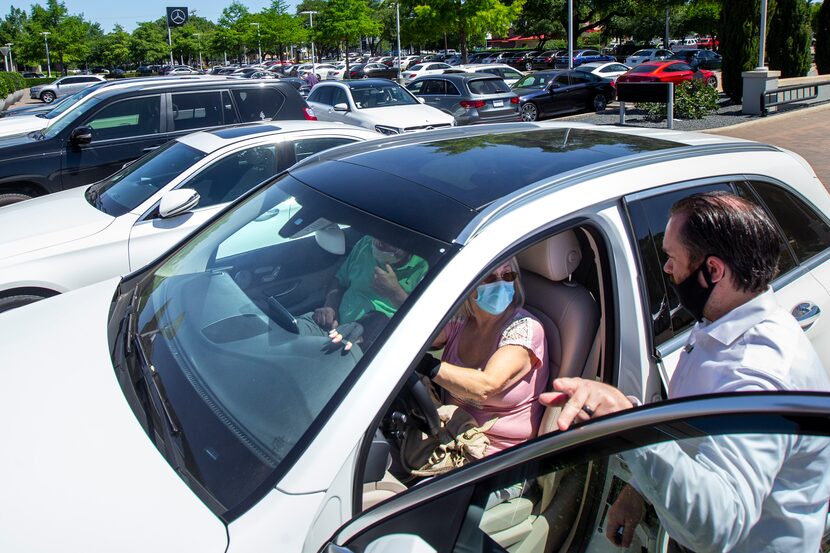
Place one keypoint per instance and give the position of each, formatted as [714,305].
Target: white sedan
[67,240]
[606,70]
[427,68]
[182,408]
[376,104]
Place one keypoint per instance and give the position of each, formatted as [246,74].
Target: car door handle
[806,313]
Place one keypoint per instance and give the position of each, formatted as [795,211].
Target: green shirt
[356,276]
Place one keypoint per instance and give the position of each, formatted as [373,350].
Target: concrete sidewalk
[805,132]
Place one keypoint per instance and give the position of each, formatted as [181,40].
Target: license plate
[498,103]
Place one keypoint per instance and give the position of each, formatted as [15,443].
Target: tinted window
[233,175]
[70,80]
[416,67]
[562,79]
[89,80]
[309,146]
[196,110]
[434,86]
[321,95]
[644,68]
[488,86]
[677,67]
[580,77]
[807,232]
[258,104]
[416,87]
[787,261]
[127,118]
[338,96]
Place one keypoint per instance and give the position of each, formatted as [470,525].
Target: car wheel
[712,81]
[600,102]
[365,76]
[48,97]
[13,198]
[530,112]
[13,302]
[528,67]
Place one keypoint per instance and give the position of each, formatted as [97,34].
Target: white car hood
[415,115]
[22,124]
[48,221]
[78,472]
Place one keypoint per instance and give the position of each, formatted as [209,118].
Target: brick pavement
[805,132]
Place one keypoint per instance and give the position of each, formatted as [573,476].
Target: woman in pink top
[495,361]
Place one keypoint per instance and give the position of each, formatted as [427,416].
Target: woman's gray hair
[466,309]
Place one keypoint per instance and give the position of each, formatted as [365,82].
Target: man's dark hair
[735,230]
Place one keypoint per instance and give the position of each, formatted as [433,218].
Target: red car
[670,71]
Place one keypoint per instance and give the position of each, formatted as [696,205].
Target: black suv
[96,137]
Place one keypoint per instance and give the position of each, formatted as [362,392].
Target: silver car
[468,97]
[649,54]
[63,87]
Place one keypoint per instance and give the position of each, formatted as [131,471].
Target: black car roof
[198,83]
[436,182]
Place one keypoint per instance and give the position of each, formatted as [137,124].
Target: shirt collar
[735,323]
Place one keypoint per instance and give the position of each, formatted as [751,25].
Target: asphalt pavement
[805,132]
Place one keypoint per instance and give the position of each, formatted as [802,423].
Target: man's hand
[326,317]
[623,517]
[582,399]
[386,283]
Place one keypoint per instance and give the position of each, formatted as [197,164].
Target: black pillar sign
[176,17]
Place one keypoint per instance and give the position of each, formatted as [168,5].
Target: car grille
[427,127]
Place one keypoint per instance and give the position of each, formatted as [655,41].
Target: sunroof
[248,130]
[477,170]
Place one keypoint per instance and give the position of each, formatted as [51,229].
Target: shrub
[823,39]
[29,83]
[692,100]
[4,88]
[788,45]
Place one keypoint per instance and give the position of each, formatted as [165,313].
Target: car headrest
[555,258]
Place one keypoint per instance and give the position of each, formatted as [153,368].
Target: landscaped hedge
[43,80]
[692,100]
[12,82]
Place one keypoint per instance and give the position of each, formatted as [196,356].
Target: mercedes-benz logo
[178,17]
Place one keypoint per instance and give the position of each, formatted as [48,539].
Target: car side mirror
[421,100]
[81,135]
[177,202]
[341,107]
[553,86]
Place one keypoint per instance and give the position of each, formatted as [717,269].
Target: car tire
[600,103]
[12,198]
[365,76]
[13,302]
[712,81]
[530,112]
[47,96]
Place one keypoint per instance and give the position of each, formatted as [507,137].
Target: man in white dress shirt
[740,493]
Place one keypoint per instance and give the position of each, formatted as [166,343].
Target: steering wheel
[426,408]
[282,316]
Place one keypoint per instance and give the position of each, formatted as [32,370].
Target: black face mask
[693,296]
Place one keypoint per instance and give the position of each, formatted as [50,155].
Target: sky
[129,13]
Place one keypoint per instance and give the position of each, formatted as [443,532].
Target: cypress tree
[739,42]
[823,39]
[788,44]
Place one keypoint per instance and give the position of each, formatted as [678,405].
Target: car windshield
[128,188]
[380,96]
[534,80]
[227,322]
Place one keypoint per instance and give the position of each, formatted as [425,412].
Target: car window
[562,79]
[416,87]
[69,80]
[677,67]
[590,53]
[580,77]
[618,67]
[339,96]
[194,110]
[648,218]
[534,80]
[807,232]
[416,67]
[233,175]
[510,73]
[488,86]
[127,118]
[381,95]
[306,147]
[433,87]
[643,68]
[322,95]
[90,80]
[258,104]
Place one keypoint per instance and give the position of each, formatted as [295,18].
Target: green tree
[148,42]
[823,39]
[113,49]
[12,25]
[739,41]
[233,32]
[347,21]
[788,44]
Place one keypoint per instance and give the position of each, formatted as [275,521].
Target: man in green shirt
[368,289]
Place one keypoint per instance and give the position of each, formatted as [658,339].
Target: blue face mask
[495,297]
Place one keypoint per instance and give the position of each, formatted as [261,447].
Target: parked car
[547,93]
[121,123]
[62,87]
[667,72]
[606,70]
[372,71]
[684,44]
[157,387]
[507,73]
[651,54]
[522,60]
[580,57]
[708,43]
[32,75]
[704,59]
[430,68]
[469,98]
[545,60]
[301,85]
[376,104]
[125,220]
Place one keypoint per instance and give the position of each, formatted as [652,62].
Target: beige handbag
[460,441]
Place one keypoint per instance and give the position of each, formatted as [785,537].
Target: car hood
[48,221]
[79,473]
[415,115]
[22,124]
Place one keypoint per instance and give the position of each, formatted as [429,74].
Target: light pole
[313,56]
[11,61]
[762,39]
[199,38]
[398,33]
[48,61]
[258,41]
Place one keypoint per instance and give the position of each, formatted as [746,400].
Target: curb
[776,117]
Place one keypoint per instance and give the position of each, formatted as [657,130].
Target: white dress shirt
[742,492]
